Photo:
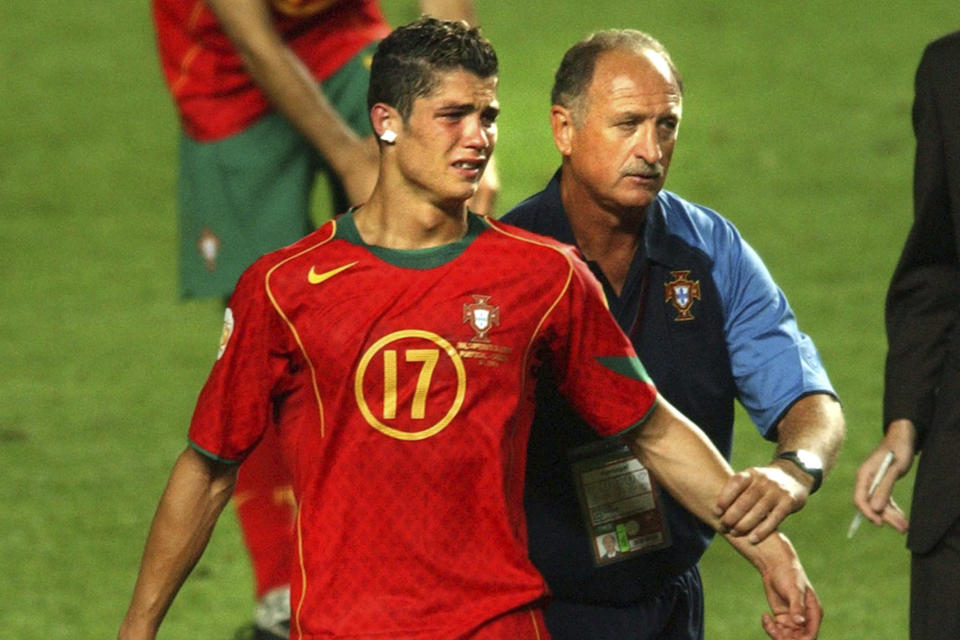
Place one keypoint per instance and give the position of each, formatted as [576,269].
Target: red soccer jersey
[401,383]
[215,95]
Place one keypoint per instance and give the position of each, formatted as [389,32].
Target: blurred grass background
[796,126]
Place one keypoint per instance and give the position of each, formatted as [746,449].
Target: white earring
[389,136]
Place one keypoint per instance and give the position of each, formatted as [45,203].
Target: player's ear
[386,122]
[561,122]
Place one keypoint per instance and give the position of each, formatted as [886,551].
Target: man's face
[609,544]
[619,148]
[449,137]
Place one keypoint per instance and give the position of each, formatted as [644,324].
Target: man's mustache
[645,169]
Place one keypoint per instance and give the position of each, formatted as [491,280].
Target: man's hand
[879,508]
[755,501]
[795,610]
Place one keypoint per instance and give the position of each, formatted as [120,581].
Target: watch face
[809,459]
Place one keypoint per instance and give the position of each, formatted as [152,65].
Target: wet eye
[489,119]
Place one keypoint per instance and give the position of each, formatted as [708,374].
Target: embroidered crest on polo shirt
[681,292]
[482,316]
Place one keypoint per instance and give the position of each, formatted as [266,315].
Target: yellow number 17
[429,358]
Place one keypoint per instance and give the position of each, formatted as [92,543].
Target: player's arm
[293,91]
[687,464]
[196,493]
[755,501]
[450,10]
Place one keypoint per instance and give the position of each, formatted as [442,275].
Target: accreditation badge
[620,500]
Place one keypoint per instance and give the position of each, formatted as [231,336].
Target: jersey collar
[429,258]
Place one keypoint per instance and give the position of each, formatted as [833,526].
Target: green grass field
[796,126]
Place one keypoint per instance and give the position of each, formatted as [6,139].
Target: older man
[709,324]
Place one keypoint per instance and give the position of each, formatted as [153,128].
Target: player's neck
[400,221]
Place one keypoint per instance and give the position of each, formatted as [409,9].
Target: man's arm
[687,464]
[293,91]
[755,501]
[196,493]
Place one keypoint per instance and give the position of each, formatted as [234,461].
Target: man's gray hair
[576,69]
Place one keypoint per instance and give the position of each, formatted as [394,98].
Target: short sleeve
[773,362]
[236,403]
[597,368]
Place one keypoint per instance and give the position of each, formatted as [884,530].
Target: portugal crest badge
[681,292]
[481,316]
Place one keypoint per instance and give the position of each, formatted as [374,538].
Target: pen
[887,461]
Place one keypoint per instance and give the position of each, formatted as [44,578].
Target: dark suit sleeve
[924,296]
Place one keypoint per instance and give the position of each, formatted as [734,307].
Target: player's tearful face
[449,137]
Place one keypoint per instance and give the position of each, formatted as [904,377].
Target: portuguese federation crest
[681,292]
[481,316]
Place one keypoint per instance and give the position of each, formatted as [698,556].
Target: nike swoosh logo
[316,278]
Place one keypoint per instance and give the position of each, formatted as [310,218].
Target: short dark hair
[575,73]
[406,63]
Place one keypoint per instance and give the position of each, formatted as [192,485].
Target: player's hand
[786,625]
[795,610]
[485,199]
[755,501]
[880,508]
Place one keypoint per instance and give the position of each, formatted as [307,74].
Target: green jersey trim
[627,366]
[207,454]
[428,258]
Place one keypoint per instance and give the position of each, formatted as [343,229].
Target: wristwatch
[808,462]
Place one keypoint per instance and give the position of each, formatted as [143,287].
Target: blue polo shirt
[711,327]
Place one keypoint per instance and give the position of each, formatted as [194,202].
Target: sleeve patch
[227,331]
[628,366]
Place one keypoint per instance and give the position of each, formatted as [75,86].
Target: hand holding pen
[884,466]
